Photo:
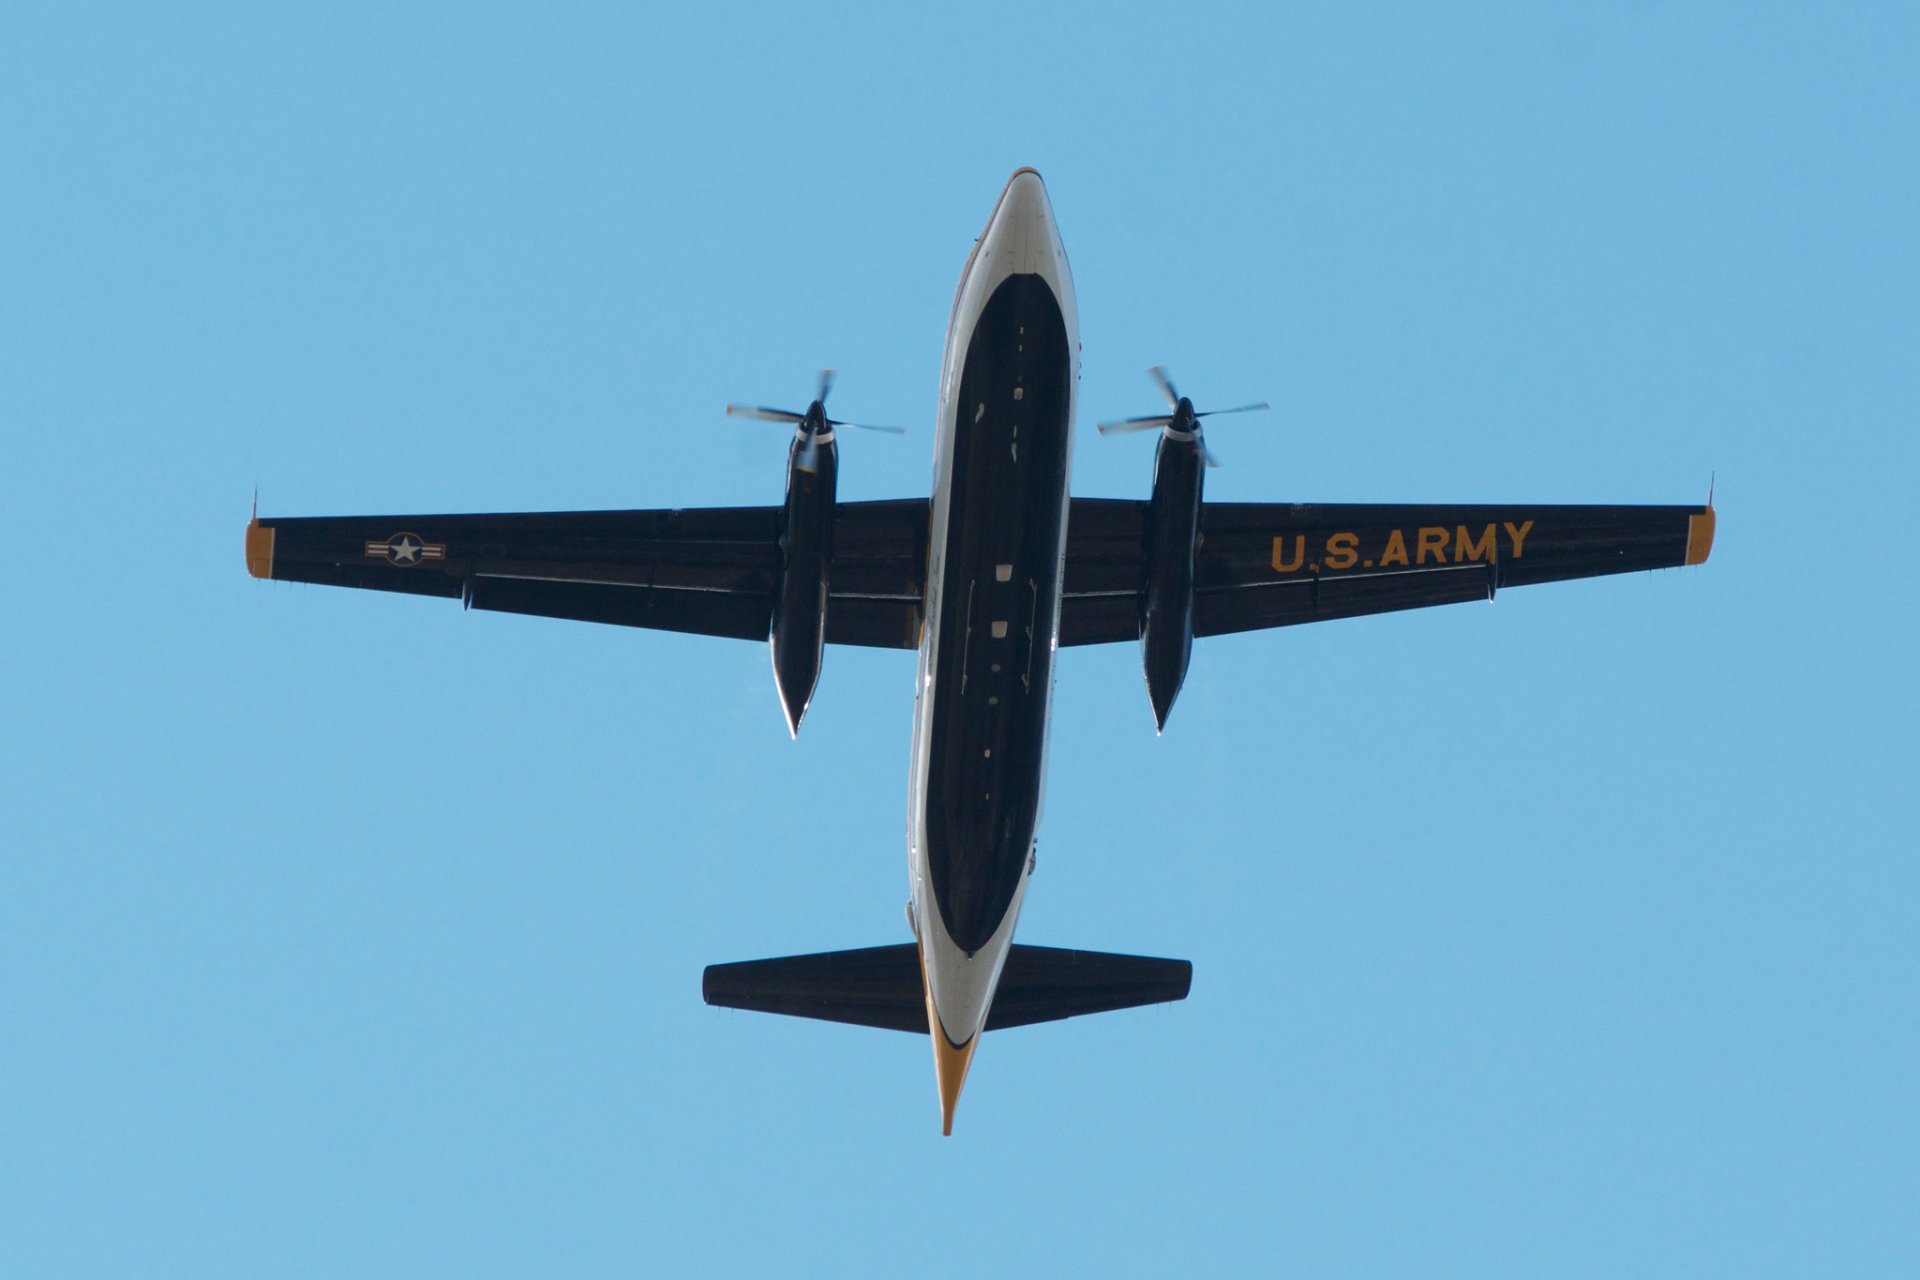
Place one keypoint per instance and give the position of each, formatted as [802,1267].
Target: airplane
[987,579]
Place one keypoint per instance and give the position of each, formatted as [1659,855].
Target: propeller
[1183,419]
[813,423]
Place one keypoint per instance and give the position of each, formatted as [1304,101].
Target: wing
[1275,565]
[1105,582]
[709,571]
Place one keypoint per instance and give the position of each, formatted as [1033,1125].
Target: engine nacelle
[799,630]
[1172,539]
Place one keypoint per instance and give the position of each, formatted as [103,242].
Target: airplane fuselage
[975,578]
[997,549]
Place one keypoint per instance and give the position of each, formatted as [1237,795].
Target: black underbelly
[1000,596]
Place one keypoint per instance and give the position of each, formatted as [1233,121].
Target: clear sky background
[1570,935]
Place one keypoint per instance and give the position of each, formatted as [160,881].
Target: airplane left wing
[1274,564]
[708,571]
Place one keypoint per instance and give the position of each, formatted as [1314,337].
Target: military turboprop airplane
[987,579]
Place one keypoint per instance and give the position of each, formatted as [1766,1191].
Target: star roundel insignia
[407,550]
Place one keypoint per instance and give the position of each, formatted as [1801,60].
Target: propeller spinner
[814,423]
[1182,421]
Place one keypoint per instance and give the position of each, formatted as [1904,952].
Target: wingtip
[259,548]
[1700,528]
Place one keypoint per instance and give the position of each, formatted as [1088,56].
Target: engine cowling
[799,630]
[1172,540]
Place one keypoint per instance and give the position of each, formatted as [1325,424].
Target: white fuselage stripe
[1020,238]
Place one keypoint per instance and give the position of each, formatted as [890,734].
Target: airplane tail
[882,986]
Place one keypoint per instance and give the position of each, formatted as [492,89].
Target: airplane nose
[1022,231]
[1026,195]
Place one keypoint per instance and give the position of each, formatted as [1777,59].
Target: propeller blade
[1208,456]
[767,413]
[1135,424]
[1160,379]
[761,413]
[1239,408]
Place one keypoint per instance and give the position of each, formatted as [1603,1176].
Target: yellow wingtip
[1700,536]
[259,549]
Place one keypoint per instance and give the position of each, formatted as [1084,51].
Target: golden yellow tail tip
[259,549]
[950,1063]
[950,1073]
[1700,536]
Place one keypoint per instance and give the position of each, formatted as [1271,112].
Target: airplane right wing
[1274,564]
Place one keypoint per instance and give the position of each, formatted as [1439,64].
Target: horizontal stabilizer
[1045,984]
[881,986]
[871,987]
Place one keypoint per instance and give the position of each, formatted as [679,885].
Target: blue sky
[1570,935]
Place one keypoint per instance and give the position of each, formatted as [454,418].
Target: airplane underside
[985,578]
